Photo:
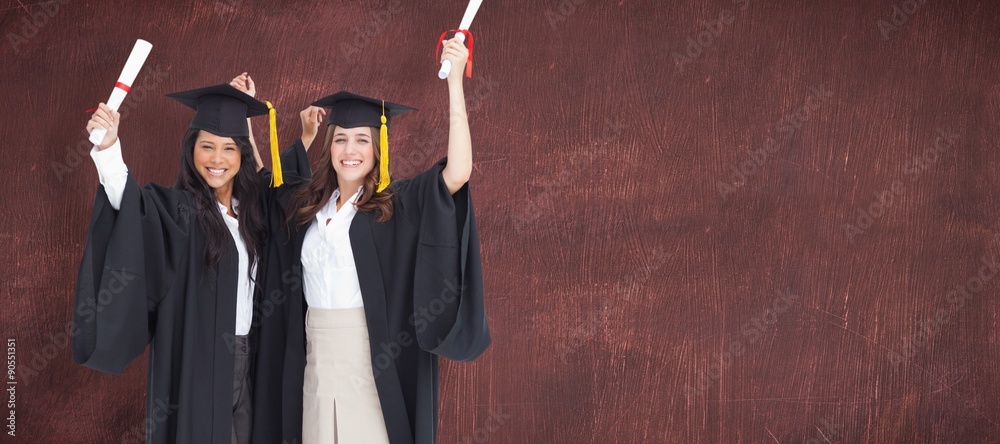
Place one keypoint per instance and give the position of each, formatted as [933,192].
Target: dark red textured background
[632,296]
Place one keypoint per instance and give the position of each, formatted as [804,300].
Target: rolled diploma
[446,65]
[135,61]
[470,13]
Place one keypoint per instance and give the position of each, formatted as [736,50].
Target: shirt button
[244,349]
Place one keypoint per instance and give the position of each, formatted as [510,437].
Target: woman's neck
[347,189]
[224,195]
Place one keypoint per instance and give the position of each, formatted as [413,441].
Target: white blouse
[113,174]
[328,270]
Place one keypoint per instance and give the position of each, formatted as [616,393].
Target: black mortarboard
[221,109]
[349,110]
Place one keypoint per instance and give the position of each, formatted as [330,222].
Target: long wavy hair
[310,199]
[246,189]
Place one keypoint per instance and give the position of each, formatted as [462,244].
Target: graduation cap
[223,110]
[349,110]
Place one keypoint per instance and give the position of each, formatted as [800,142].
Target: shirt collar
[232,201]
[331,205]
[354,198]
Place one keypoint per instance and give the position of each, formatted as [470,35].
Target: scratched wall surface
[702,221]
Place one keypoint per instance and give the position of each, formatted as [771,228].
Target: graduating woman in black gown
[371,280]
[174,267]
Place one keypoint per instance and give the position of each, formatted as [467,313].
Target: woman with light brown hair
[377,277]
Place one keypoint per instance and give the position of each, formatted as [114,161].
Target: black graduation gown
[421,283]
[277,347]
[143,280]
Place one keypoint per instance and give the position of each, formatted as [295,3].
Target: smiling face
[217,159]
[352,153]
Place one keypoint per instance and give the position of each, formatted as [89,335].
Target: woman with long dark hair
[175,268]
[378,278]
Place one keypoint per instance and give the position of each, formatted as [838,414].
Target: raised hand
[312,117]
[455,51]
[244,83]
[105,118]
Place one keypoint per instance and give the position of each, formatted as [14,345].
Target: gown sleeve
[128,265]
[448,268]
[294,165]
[112,172]
[279,333]
[295,171]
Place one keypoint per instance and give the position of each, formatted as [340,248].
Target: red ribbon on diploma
[127,88]
[468,37]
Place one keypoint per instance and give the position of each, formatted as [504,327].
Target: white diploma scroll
[470,13]
[131,70]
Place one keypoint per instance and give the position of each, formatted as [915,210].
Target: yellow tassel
[383,140]
[272,115]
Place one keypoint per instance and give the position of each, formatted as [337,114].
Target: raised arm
[107,156]
[459,168]
[256,152]
[135,241]
[244,83]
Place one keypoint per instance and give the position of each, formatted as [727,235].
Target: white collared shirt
[244,285]
[329,273]
[113,174]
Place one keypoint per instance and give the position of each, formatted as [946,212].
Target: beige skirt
[339,401]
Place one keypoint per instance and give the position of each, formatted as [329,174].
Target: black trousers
[242,412]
